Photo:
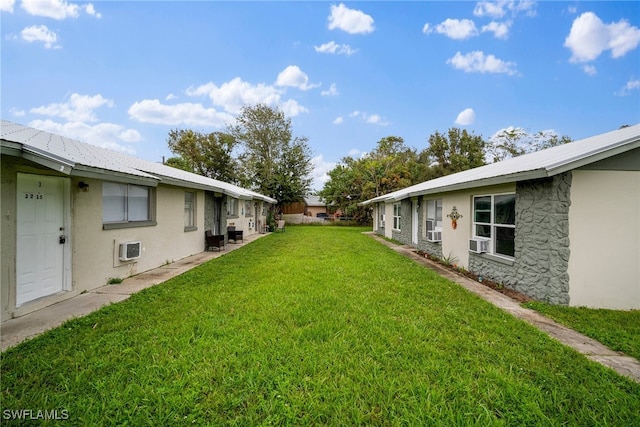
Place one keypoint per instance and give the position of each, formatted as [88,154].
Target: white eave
[75,158]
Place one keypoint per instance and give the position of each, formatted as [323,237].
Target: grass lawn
[314,326]
[617,329]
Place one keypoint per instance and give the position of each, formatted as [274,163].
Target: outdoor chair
[234,234]
[213,240]
[280,226]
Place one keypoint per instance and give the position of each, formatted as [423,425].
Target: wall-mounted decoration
[455,216]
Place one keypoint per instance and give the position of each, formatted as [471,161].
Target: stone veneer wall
[541,259]
[432,248]
[403,236]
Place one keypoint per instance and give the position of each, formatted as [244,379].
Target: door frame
[415,221]
[66,223]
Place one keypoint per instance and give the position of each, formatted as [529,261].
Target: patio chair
[213,240]
[280,225]
[234,234]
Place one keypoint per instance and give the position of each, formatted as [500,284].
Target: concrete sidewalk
[14,331]
[592,349]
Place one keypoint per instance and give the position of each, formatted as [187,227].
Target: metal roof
[540,164]
[314,201]
[76,158]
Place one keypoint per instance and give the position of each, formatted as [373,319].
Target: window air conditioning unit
[130,250]
[434,236]
[478,245]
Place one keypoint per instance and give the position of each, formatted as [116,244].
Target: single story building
[561,225]
[308,206]
[75,215]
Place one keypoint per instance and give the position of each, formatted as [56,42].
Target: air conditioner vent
[478,245]
[130,250]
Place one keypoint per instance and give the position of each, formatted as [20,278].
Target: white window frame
[397,216]
[190,211]
[232,206]
[433,213]
[492,227]
[124,204]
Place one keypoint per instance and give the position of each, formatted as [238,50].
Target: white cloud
[189,114]
[57,9]
[350,20]
[500,30]
[332,91]
[333,47]
[170,97]
[17,113]
[7,5]
[590,70]
[477,62]
[293,76]
[457,29]
[466,117]
[233,95]
[589,37]
[631,85]
[498,9]
[92,11]
[79,108]
[40,33]
[106,135]
[492,9]
[291,108]
[338,120]
[321,169]
[374,119]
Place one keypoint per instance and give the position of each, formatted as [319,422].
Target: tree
[206,154]
[512,142]
[385,169]
[454,152]
[179,163]
[343,190]
[278,164]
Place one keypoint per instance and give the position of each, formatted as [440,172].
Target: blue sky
[121,74]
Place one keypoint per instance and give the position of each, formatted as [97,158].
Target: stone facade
[541,259]
[432,248]
[404,235]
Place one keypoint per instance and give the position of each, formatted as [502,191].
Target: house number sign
[36,196]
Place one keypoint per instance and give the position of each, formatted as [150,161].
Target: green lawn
[314,326]
[617,329]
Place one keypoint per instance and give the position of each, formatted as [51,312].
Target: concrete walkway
[592,349]
[14,331]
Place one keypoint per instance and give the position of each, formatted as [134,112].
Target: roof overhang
[39,157]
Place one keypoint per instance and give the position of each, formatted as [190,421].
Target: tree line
[260,152]
[392,166]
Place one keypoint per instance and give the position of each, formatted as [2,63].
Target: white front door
[414,222]
[40,223]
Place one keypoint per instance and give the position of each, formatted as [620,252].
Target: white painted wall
[604,231]
[95,251]
[455,242]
